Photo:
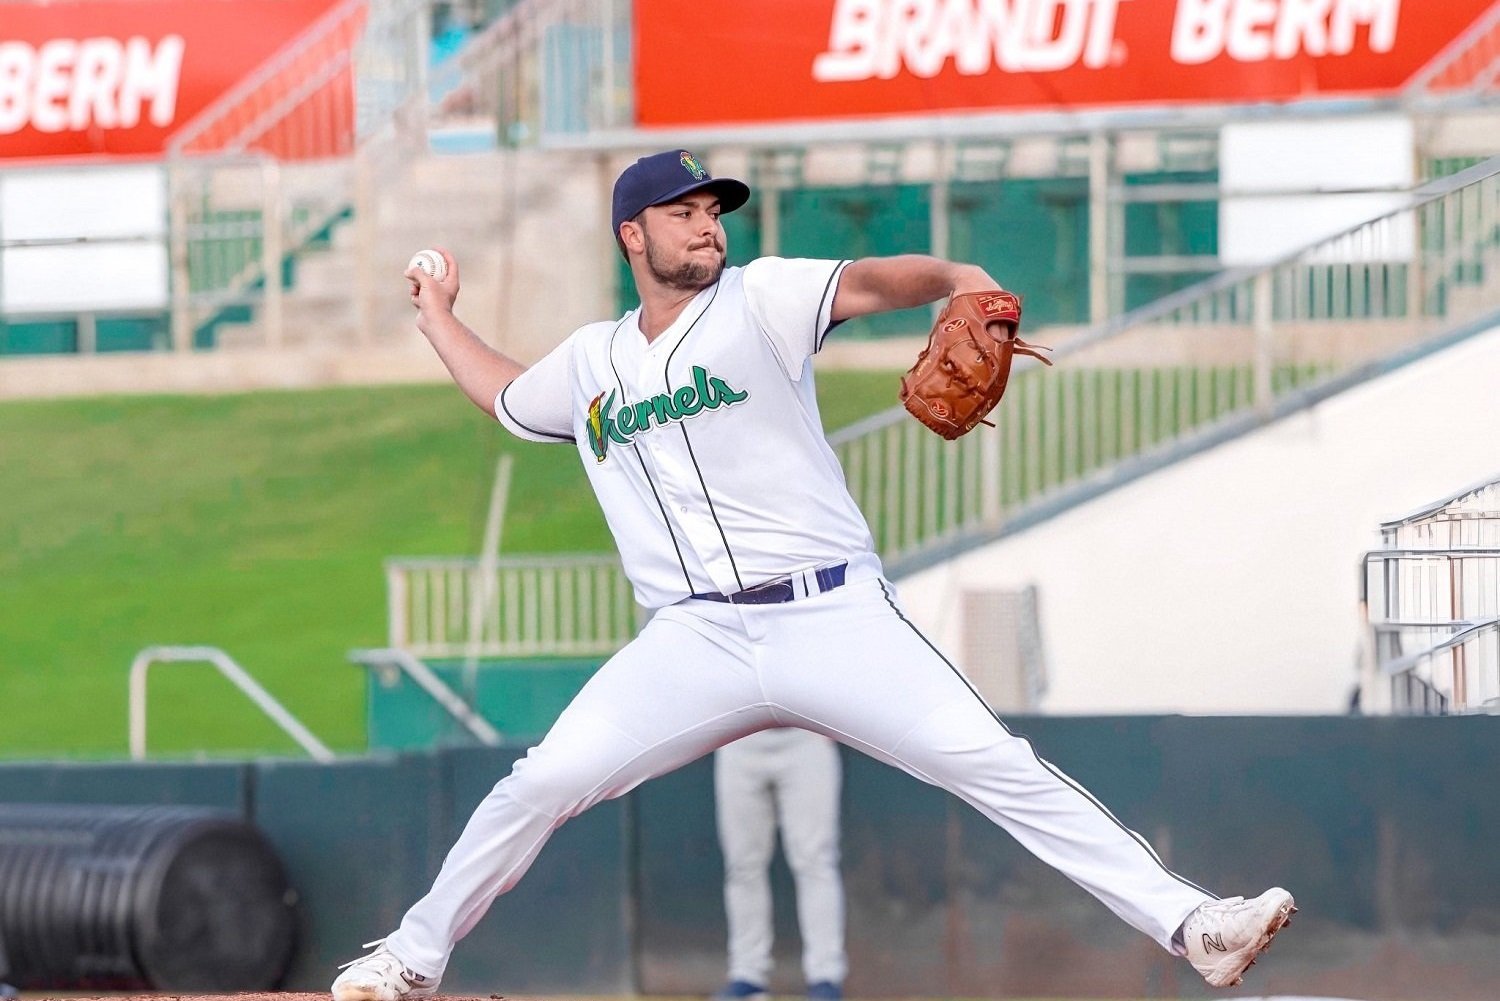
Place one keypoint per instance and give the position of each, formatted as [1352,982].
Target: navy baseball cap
[665,177]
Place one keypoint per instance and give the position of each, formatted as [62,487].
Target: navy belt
[780,589]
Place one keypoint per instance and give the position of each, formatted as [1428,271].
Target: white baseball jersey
[705,446]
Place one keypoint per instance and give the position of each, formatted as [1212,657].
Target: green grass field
[257,523]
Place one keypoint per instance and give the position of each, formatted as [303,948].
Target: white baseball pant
[846,663]
[787,778]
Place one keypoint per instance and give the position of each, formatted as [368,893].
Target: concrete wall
[1228,582]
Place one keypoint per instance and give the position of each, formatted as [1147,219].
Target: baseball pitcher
[695,418]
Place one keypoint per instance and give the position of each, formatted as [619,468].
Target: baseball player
[784,778]
[695,418]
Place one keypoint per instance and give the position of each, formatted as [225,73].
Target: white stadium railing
[512,606]
[1467,518]
[1432,598]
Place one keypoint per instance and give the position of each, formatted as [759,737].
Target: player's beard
[689,275]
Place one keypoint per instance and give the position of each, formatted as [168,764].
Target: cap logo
[692,166]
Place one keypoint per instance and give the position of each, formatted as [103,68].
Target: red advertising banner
[118,77]
[778,60]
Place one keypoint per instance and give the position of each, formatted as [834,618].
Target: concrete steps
[506,217]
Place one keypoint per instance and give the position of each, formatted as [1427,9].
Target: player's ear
[632,237]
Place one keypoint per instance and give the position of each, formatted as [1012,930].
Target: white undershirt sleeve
[537,405]
[792,301]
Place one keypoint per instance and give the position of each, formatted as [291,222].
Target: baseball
[431,262]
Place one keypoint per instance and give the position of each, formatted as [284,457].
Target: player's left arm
[880,284]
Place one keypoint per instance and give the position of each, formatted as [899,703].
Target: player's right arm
[478,369]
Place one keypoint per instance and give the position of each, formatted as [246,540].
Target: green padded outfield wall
[363,840]
[222,785]
[1384,828]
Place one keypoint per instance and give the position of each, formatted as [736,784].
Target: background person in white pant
[696,419]
[788,779]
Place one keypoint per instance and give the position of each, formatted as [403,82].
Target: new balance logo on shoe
[1213,943]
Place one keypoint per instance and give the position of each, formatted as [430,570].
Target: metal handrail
[310,140]
[1451,584]
[1417,553]
[219,110]
[394,659]
[495,62]
[237,676]
[1467,630]
[1470,678]
[1454,52]
[484,49]
[1436,507]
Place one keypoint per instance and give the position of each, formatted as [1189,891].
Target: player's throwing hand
[433,279]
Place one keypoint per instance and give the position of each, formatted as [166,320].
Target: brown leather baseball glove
[961,374]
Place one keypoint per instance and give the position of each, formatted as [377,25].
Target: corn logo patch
[605,424]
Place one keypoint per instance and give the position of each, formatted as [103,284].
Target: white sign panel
[94,202]
[1260,160]
[82,278]
[83,239]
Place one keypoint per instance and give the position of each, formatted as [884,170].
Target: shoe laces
[377,947]
[1215,910]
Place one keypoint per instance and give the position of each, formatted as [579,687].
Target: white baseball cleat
[380,976]
[1224,937]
